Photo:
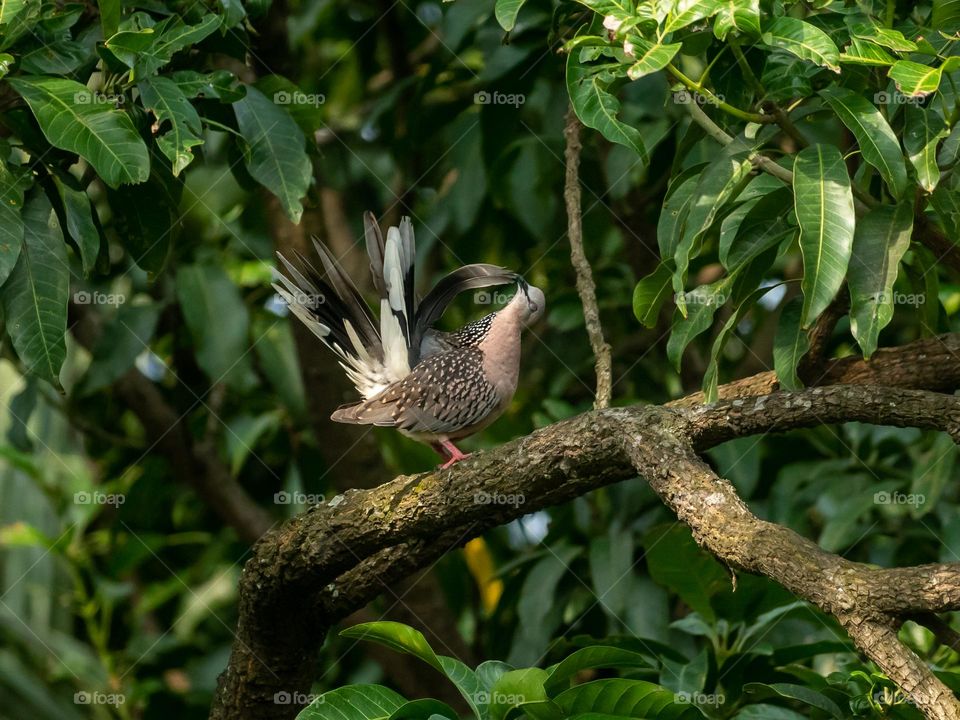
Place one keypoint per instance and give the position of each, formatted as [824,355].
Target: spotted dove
[433,386]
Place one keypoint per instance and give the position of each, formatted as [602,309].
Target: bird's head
[531,302]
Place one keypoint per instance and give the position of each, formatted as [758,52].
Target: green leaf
[754,227]
[823,204]
[686,12]
[916,80]
[72,119]
[589,658]
[10,9]
[6,62]
[932,473]
[676,206]
[145,217]
[945,12]
[702,304]
[515,689]
[881,239]
[596,106]
[712,373]
[740,16]
[685,678]
[923,130]
[406,639]
[123,340]
[763,711]
[650,57]
[677,563]
[626,698]
[396,636]
[878,143]
[650,294]
[167,102]
[804,40]
[536,608]
[864,52]
[795,692]
[110,16]
[274,150]
[790,344]
[219,85]
[11,220]
[146,51]
[353,702]
[60,57]
[722,180]
[78,212]
[506,12]
[886,37]
[36,294]
[217,319]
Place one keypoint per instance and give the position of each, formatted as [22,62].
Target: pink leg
[454,452]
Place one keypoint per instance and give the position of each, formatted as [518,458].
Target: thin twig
[586,287]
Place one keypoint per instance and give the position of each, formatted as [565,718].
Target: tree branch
[332,558]
[586,287]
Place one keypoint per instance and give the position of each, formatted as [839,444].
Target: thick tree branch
[586,287]
[332,557]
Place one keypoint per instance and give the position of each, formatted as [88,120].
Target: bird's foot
[452,451]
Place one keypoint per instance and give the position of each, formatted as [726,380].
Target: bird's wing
[432,307]
[445,393]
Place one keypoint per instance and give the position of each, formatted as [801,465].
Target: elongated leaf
[650,294]
[596,106]
[804,40]
[515,689]
[146,51]
[796,692]
[722,180]
[686,12]
[923,131]
[409,640]
[589,658]
[881,239]
[73,119]
[741,16]
[122,341]
[676,562]
[217,319]
[702,304]
[823,204]
[275,150]
[35,295]
[353,702]
[109,16]
[145,217]
[676,206]
[650,57]
[711,376]
[628,698]
[945,13]
[219,84]
[11,219]
[877,141]
[790,344]
[916,80]
[167,102]
[78,212]
[10,9]
[886,37]
[754,227]
[507,11]
[864,52]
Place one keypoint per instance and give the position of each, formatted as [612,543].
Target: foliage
[152,156]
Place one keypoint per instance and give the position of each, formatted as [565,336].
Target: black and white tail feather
[376,354]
